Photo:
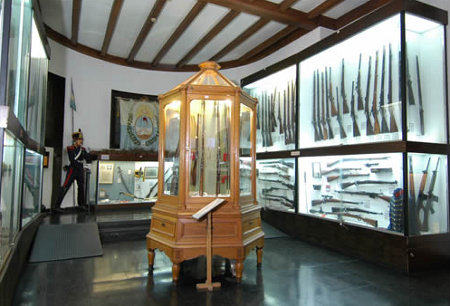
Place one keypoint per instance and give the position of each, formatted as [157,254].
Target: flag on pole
[72,97]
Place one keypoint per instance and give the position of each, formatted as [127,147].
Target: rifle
[327,112]
[283,200]
[202,160]
[376,124]
[344,176]
[270,119]
[194,154]
[369,221]
[421,196]
[392,124]
[344,96]
[323,120]
[419,87]
[339,118]
[287,135]
[319,128]
[329,199]
[268,190]
[430,199]
[380,170]
[358,86]
[218,155]
[411,99]
[354,159]
[372,195]
[290,186]
[294,109]
[316,133]
[337,170]
[352,209]
[329,86]
[286,176]
[412,201]
[369,127]
[368,182]
[279,167]
[356,131]
[283,162]
[279,114]
[384,127]
[273,119]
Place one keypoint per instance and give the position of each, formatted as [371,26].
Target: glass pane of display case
[19,57]
[276,119]
[361,189]
[210,145]
[425,83]
[275,184]
[92,192]
[349,93]
[11,191]
[37,94]
[427,194]
[171,147]
[32,179]
[121,182]
[245,147]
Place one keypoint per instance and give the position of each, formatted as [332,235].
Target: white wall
[94,79]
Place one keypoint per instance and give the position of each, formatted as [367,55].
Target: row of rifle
[277,113]
[279,172]
[379,112]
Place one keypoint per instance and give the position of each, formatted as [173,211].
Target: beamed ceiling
[176,35]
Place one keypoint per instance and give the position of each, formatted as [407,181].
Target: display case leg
[259,254]
[239,269]
[151,258]
[175,272]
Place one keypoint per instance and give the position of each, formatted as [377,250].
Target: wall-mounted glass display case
[276,184]
[32,181]
[352,92]
[123,182]
[276,116]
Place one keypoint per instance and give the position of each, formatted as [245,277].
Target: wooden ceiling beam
[269,10]
[360,11]
[196,9]
[207,38]
[151,19]
[113,16]
[323,8]
[76,12]
[268,42]
[249,32]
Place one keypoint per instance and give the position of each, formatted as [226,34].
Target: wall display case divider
[372,139]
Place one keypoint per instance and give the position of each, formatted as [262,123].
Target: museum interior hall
[224,152]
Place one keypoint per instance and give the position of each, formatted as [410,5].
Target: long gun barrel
[344,176]
[328,100]
[352,209]
[323,119]
[369,221]
[393,128]
[368,182]
[376,124]
[345,108]
[409,87]
[314,115]
[419,88]
[372,195]
[356,131]
[319,127]
[332,200]
[358,86]
[384,126]
[342,132]
[369,127]
[329,86]
[412,201]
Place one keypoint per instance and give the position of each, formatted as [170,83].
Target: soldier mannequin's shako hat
[77,135]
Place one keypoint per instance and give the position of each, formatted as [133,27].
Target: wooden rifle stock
[376,124]
[430,199]
[356,131]
[369,127]
[413,229]
[345,108]
[329,89]
[344,176]
[419,88]
[384,126]
[323,120]
[393,128]
[358,86]
[342,132]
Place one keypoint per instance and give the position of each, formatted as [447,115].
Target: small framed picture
[316,170]
[151,172]
[106,173]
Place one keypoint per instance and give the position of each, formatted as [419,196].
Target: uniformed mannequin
[77,153]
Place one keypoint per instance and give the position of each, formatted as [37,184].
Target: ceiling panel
[57,14]
[344,7]
[307,5]
[130,22]
[93,22]
[204,22]
[266,32]
[234,29]
[171,16]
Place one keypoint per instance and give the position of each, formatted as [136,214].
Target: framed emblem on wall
[134,121]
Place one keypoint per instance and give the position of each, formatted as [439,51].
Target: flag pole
[73,108]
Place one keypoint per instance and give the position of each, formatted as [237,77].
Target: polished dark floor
[292,273]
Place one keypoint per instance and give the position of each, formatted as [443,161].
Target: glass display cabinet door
[171,147]
[209,171]
[245,150]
